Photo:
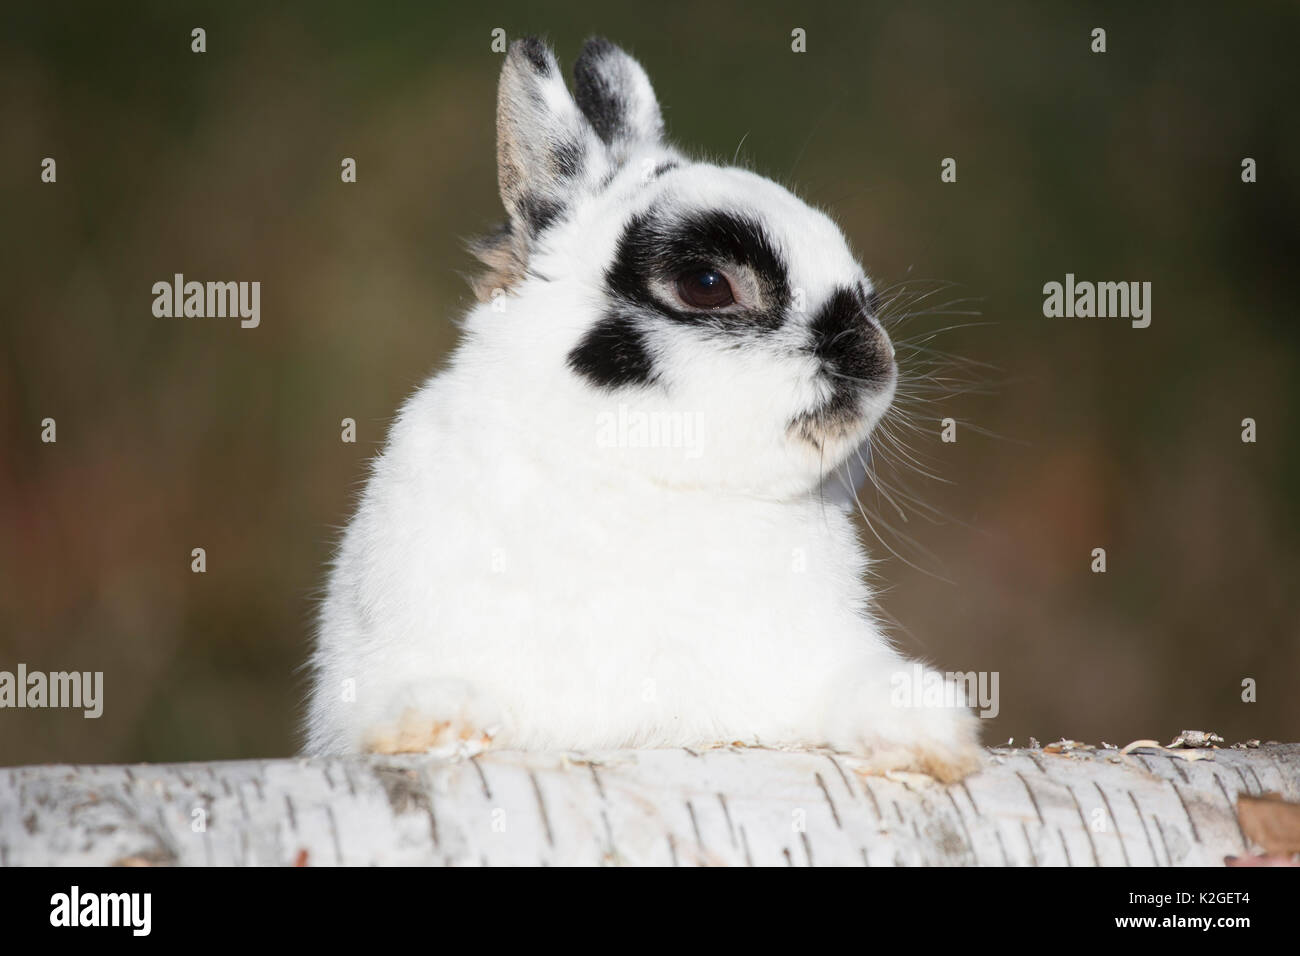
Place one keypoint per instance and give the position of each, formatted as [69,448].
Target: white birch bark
[669,807]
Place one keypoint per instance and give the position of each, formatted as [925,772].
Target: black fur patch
[666,166]
[600,101]
[613,353]
[534,50]
[653,246]
[538,214]
[567,157]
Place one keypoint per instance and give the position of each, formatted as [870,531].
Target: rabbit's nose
[849,342]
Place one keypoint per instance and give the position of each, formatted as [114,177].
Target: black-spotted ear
[615,95]
[545,145]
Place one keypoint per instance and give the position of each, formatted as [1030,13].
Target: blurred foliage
[174,434]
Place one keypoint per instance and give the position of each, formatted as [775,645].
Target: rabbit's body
[601,525]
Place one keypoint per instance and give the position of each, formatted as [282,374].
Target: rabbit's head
[664,286]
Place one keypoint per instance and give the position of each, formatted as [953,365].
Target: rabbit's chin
[831,433]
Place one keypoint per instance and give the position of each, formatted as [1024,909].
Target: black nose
[849,342]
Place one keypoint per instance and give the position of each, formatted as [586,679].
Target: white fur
[511,569]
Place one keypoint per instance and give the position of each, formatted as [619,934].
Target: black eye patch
[659,247]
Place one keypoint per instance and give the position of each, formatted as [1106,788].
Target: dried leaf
[1270,821]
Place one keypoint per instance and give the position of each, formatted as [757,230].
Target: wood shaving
[1197,738]
[1149,744]
[1180,753]
[1065,746]
[909,779]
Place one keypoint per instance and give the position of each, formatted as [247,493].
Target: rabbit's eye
[705,289]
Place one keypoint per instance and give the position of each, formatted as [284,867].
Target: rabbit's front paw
[941,743]
[439,715]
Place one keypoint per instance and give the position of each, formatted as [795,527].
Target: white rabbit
[600,525]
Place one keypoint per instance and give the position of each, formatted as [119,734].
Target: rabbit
[601,525]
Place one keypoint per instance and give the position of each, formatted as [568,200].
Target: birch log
[667,807]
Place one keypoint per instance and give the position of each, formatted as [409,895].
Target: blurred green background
[175,434]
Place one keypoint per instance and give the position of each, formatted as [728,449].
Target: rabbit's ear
[544,143]
[616,96]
